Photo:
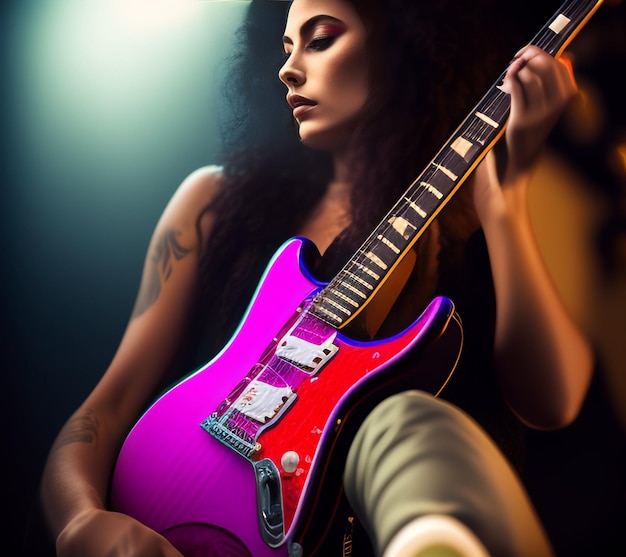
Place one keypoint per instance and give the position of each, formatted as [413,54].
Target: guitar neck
[355,285]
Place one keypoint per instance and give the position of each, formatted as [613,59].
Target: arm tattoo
[82,428]
[167,251]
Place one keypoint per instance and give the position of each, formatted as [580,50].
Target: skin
[326,63]
[545,386]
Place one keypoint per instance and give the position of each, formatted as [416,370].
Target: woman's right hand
[100,533]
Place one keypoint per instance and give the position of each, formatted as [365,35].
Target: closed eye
[318,44]
[322,43]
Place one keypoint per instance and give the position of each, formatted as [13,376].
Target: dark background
[105,110]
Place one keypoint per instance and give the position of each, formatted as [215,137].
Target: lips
[299,104]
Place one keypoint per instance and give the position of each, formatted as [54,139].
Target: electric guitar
[243,457]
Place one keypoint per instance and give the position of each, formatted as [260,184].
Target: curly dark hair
[432,61]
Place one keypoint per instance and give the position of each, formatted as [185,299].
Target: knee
[413,409]
[409,435]
[402,427]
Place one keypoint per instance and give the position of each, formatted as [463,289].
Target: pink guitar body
[212,497]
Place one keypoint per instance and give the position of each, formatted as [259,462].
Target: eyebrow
[310,23]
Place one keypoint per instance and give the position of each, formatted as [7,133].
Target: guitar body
[208,499]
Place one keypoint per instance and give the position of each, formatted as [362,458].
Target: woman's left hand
[541,87]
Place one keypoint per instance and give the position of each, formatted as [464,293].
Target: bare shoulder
[202,184]
[186,209]
[198,189]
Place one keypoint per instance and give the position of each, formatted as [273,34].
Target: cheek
[351,75]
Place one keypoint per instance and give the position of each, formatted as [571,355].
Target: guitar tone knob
[289,461]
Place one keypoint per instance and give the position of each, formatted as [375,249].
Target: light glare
[153,15]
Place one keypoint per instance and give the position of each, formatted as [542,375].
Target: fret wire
[360,260]
[354,279]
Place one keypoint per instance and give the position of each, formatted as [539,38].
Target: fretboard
[348,293]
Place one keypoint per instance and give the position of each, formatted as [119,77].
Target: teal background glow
[106,106]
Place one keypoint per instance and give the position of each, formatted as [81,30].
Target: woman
[353,70]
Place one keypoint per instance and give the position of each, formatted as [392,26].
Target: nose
[290,73]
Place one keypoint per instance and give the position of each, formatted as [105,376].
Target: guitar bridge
[218,428]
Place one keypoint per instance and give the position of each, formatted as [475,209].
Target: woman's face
[327,70]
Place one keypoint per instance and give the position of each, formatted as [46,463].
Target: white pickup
[306,355]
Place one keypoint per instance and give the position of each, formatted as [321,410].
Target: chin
[332,140]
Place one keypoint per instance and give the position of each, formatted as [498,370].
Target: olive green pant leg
[416,455]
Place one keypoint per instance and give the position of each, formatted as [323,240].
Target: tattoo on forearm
[82,428]
[167,250]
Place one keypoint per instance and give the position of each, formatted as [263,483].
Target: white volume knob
[289,461]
